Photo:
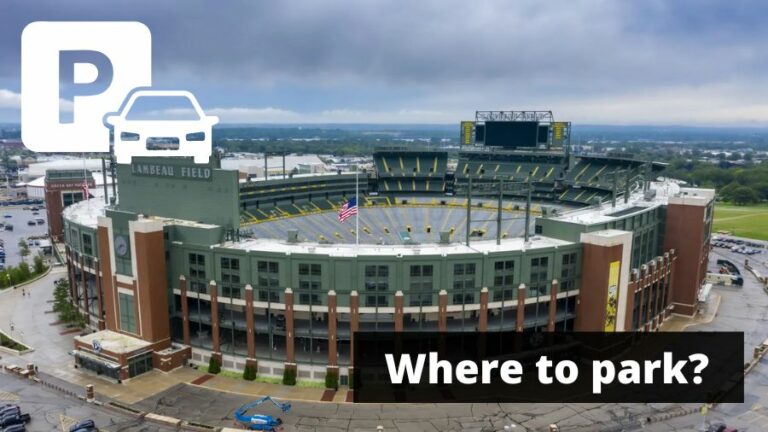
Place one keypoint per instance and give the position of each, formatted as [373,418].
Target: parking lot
[19,218]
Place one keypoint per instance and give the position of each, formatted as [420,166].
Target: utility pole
[627,186]
[469,207]
[498,212]
[104,179]
[266,165]
[528,209]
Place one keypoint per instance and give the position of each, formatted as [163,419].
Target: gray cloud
[441,55]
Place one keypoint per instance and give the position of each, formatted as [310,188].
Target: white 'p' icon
[94,63]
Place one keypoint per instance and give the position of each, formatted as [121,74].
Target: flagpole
[357,203]
[85,183]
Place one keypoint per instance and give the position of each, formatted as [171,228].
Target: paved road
[52,411]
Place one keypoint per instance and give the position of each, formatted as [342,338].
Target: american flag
[85,189]
[348,210]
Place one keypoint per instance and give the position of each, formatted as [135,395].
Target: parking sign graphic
[96,63]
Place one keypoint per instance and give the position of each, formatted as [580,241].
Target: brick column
[483,318]
[290,355]
[520,307]
[672,270]
[84,288]
[71,274]
[332,336]
[644,282]
[250,333]
[442,311]
[249,321]
[99,288]
[184,309]
[632,288]
[552,306]
[399,311]
[213,291]
[354,324]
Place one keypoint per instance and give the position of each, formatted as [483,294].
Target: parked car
[14,419]
[31,222]
[7,216]
[84,426]
[15,428]
[40,221]
[720,427]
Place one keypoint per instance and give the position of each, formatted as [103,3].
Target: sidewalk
[35,325]
[705,316]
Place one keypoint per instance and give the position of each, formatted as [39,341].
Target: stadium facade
[169,272]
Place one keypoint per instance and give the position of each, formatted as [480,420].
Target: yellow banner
[612,302]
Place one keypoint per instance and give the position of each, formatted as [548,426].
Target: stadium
[514,232]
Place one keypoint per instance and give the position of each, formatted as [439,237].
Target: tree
[743,195]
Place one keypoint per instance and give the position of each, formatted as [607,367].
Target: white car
[158,136]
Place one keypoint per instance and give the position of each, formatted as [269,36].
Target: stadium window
[421,285]
[503,283]
[310,279]
[73,238]
[197,266]
[230,277]
[538,276]
[376,280]
[268,281]
[538,229]
[568,272]
[463,283]
[69,198]
[127,313]
[87,244]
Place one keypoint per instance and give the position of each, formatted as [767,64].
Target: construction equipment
[261,422]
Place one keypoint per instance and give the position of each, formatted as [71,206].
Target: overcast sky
[691,62]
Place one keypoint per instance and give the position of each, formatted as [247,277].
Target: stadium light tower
[498,189]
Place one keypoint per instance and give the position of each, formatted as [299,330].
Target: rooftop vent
[293,236]
[445,237]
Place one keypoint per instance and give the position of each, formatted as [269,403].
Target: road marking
[66,422]
[8,396]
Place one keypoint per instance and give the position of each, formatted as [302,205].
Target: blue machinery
[261,422]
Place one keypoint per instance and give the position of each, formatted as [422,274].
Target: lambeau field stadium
[198,264]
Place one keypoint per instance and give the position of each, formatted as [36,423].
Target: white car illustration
[190,136]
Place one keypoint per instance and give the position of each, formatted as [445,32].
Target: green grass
[742,221]
[12,344]
[265,380]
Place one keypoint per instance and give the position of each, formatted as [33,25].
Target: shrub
[38,264]
[213,366]
[249,373]
[332,379]
[289,376]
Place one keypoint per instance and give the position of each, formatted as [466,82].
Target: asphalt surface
[51,410]
[19,219]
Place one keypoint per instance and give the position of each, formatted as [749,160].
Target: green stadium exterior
[170,267]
